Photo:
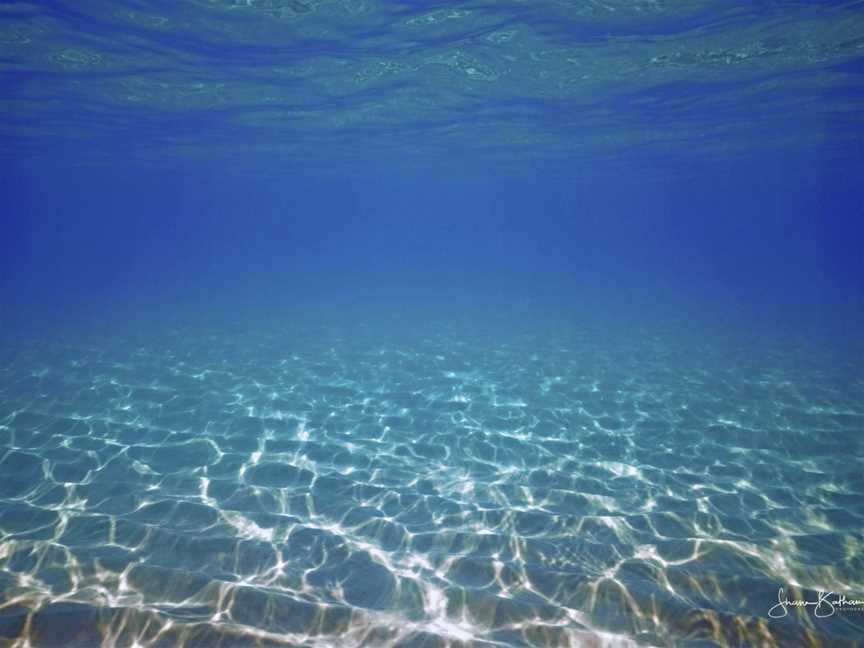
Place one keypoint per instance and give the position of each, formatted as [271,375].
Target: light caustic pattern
[232,489]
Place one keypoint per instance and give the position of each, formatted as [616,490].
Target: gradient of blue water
[455,400]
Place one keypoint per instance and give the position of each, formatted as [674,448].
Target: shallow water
[322,488]
[377,323]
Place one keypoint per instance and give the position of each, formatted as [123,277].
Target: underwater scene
[471,324]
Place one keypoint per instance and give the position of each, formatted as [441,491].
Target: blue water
[351,323]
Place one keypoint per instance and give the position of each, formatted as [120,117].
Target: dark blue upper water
[472,324]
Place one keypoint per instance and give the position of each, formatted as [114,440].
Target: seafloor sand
[224,488]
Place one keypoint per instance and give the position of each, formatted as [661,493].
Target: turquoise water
[344,487]
[463,324]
